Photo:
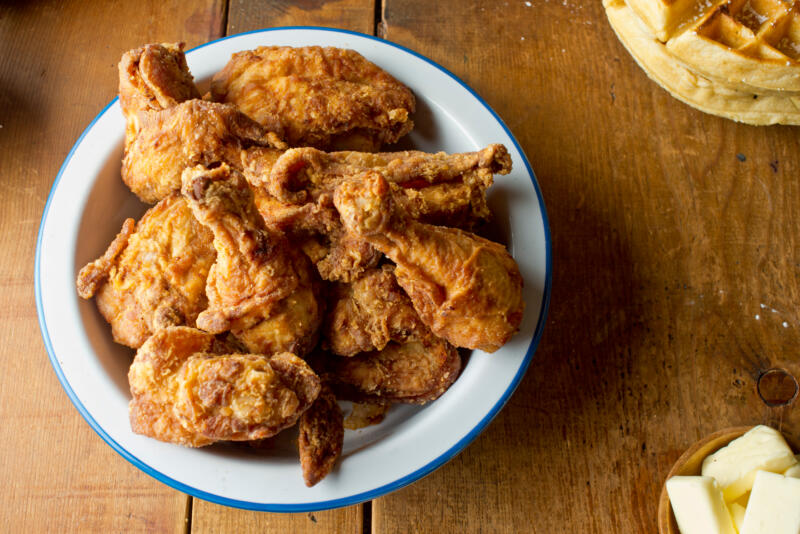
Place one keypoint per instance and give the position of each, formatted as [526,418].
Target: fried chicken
[321,437]
[191,133]
[368,313]
[295,193]
[390,355]
[153,274]
[466,289]
[302,175]
[415,372]
[328,98]
[151,78]
[188,389]
[261,288]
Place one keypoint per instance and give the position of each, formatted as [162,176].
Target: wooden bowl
[690,463]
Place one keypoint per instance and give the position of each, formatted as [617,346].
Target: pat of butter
[737,514]
[774,506]
[793,471]
[735,466]
[698,506]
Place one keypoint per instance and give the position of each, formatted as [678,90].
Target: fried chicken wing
[368,313]
[190,133]
[328,98]
[153,274]
[295,193]
[303,175]
[188,389]
[466,289]
[260,288]
[151,78]
[321,437]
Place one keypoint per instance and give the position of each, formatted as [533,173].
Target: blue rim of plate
[360,497]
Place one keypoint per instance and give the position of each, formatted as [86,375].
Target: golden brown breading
[261,288]
[415,372]
[466,289]
[368,313]
[303,175]
[188,134]
[151,78]
[188,390]
[294,192]
[321,437]
[153,274]
[328,98]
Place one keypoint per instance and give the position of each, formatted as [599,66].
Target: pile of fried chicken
[286,262]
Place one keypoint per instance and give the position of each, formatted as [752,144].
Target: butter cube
[793,471]
[735,466]
[737,514]
[774,506]
[698,505]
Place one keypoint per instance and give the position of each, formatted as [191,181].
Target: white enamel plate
[85,210]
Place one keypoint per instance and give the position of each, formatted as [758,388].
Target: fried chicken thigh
[466,289]
[415,372]
[153,274]
[191,133]
[328,98]
[261,288]
[368,313]
[391,356]
[188,389]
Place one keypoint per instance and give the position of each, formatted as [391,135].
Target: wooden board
[57,71]
[676,265]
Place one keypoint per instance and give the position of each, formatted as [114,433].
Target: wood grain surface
[675,254]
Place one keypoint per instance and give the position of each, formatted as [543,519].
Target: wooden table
[676,270]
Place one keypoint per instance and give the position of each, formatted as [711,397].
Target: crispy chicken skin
[368,313]
[294,192]
[153,274]
[466,289]
[303,175]
[328,98]
[415,372]
[188,389]
[321,437]
[151,78]
[261,288]
[190,133]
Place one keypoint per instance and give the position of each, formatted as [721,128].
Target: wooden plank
[355,15]
[211,518]
[676,260]
[57,71]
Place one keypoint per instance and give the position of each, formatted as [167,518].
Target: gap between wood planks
[378,30]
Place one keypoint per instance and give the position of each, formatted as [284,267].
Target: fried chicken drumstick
[466,289]
[260,288]
[188,388]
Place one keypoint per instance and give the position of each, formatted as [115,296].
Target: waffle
[690,87]
[750,44]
